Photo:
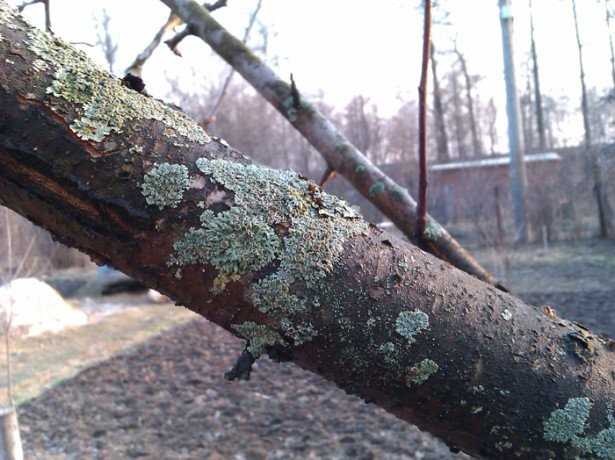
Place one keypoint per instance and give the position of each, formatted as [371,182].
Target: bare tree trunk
[440,125]
[477,145]
[10,439]
[458,117]
[341,156]
[289,268]
[611,47]
[540,124]
[492,113]
[592,160]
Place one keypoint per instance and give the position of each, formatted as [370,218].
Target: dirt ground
[167,399]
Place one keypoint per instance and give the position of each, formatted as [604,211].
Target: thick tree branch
[269,256]
[341,156]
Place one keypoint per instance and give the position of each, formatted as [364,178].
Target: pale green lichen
[410,323]
[273,296]
[106,105]
[433,230]
[568,425]
[421,372]
[312,228]
[391,354]
[289,108]
[258,336]
[377,188]
[232,242]
[164,185]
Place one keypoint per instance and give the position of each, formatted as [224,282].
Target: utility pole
[517,165]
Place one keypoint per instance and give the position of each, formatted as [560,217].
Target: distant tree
[438,111]
[457,115]
[608,16]
[104,39]
[601,199]
[470,80]
[491,113]
[540,122]
[363,127]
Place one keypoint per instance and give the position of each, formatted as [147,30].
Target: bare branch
[421,220]
[45,3]
[136,68]
[393,201]
[227,81]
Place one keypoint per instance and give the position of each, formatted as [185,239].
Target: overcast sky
[348,47]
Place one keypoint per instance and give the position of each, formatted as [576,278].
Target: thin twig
[136,68]
[422,193]
[294,92]
[327,176]
[45,3]
[173,42]
[211,116]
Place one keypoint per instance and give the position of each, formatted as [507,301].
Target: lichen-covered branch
[296,272]
[341,156]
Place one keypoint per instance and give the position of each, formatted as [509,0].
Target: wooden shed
[467,189]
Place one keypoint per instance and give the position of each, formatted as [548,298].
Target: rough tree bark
[269,256]
[341,156]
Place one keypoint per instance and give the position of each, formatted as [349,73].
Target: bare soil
[167,399]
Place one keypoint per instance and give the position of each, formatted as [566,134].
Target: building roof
[494,161]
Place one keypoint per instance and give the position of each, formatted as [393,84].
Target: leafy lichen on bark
[568,425]
[410,323]
[164,185]
[421,372]
[259,337]
[278,219]
[106,105]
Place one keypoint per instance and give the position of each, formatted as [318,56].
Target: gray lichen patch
[232,242]
[164,185]
[258,336]
[568,425]
[433,230]
[390,352]
[275,219]
[421,372]
[106,105]
[410,323]
[377,188]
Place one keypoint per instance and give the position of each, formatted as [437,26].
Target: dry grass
[41,362]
